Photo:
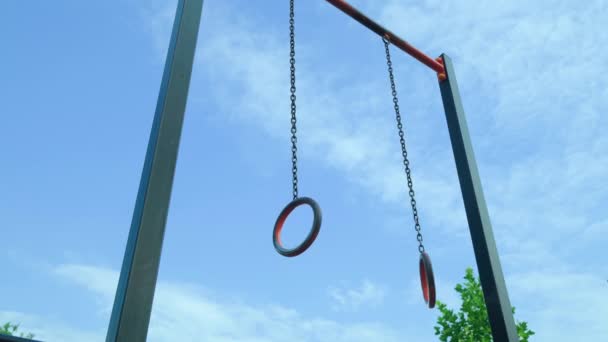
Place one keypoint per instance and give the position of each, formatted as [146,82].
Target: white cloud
[597,230]
[157,18]
[560,298]
[541,147]
[187,312]
[368,294]
[99,280]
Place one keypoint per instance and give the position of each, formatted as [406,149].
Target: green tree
[471,323]
[10,330]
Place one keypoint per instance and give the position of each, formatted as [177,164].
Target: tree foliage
[10,330]
[471,323]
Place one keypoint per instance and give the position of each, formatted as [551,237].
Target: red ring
[427,279]
[312,235]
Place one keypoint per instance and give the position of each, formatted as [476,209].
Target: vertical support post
[137,283]
[486,254]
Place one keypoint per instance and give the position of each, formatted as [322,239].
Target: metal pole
[488,263]
[135,293]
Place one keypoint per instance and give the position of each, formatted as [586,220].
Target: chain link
[292,61]
[406,162]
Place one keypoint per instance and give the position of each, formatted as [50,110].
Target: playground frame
[132,308]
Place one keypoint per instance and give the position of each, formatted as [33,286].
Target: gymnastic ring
[427,279]
[312,235]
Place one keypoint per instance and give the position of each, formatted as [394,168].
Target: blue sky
[79,86]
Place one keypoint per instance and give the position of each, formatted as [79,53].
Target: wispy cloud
[186,312]
[368,294]
[560,298]
[157,20]
[541,132]
[101,281]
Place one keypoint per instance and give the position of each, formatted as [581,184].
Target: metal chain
[292,61]
[406,162]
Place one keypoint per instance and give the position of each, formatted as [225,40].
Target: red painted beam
[391,37]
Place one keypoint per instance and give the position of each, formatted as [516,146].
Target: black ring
[312,235]
[427,279]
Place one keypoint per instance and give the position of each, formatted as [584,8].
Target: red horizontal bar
[391,37]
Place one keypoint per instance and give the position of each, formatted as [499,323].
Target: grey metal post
[135,293]
[488,263]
